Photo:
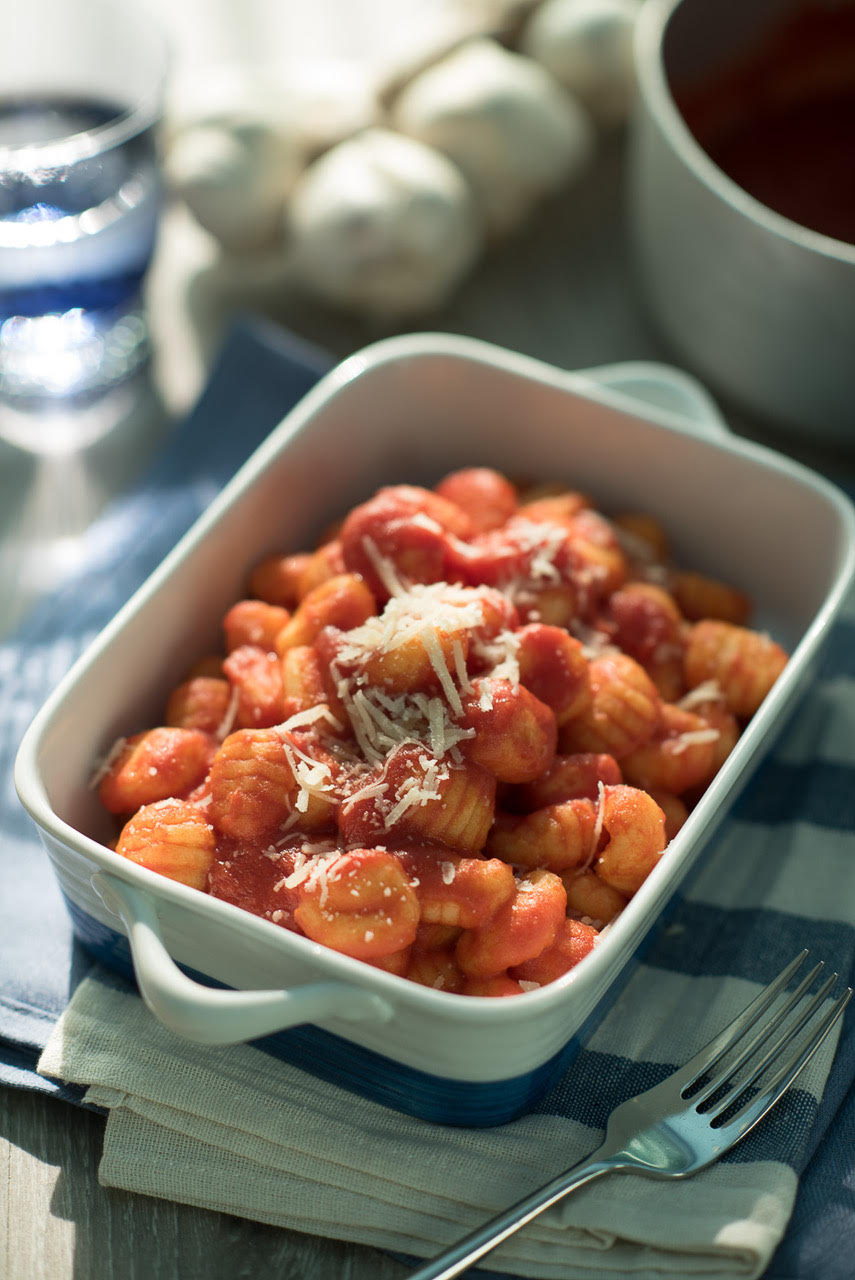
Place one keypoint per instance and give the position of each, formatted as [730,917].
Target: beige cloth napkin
[236,1130]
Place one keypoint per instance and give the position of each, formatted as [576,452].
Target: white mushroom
[382,224]
[587,46]
[506,123]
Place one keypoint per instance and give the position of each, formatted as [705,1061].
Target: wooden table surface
[564,291]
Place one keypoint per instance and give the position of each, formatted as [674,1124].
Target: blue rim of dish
[439,1099]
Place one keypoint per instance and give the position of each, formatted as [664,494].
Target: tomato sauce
[781,121]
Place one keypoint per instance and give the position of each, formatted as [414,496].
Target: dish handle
[211,1015]
[663,387]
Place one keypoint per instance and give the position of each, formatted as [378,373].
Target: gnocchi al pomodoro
[454,739]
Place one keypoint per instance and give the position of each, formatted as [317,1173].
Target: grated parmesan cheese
[383,567]
[409,798]
[595,644]
[598,824]
[424,521]
[107,762]
[433,649]
[422,613]
[460,666]
[682,741]
[226,725]
[368,792]
[709,691]
[313,777]
[544,540]
[312,871]
[311,716]
[444,606]
[501,656]
[381,722]
[540,542]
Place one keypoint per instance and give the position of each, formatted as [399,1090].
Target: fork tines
[743,1070]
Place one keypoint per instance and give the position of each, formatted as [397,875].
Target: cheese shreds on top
[424,521]
[107,762]
[227,723]
[311,716]
[545,540]
[313,871]
[500,656]
[444,606]
[433,649]
[709,691]
[598,824]
[595,644]
[409,796]
[414,791]
[441,619]
[540,542]
[313,777]
[377,732]
[370,791]
[382,720]
[460,671]
[383,567]
[693,737]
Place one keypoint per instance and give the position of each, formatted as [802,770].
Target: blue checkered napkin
[304,1154]
[234,1130]
[262,372]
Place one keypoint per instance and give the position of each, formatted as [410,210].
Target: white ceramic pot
[760,307]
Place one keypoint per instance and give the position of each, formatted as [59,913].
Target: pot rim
[655,94]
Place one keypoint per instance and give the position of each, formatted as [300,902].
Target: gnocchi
[452,740]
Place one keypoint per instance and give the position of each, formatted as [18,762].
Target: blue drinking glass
[81,93]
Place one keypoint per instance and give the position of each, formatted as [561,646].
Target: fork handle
[472,1247]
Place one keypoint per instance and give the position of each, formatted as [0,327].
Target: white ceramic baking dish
[641,437]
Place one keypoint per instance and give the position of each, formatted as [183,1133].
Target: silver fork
[691,1118]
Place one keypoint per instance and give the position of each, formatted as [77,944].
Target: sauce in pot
[781,121]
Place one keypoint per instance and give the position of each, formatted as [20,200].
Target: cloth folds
[238,1130]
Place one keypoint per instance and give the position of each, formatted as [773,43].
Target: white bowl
[411,409]
[758,306]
